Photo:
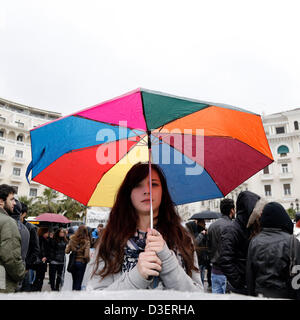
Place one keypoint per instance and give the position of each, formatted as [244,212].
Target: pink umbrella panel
[52,217]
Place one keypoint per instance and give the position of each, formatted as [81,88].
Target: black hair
[24,208]
[5,190]
[226,205]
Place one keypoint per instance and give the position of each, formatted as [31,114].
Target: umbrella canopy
[52,217]
[205,215]
[205,149]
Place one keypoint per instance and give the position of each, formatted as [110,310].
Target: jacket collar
[3,211]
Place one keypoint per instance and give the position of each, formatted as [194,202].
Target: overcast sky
[66,55]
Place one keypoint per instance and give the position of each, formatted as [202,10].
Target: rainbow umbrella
[205,149]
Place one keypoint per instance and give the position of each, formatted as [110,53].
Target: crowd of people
[249,250]
[27,252]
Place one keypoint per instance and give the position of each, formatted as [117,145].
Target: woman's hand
[154,242]
[148,264]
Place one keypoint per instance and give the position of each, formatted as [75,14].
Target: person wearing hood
[16,214]
[234,241]
[33,249]
[268,259]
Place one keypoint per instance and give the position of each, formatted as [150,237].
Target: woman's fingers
[154,241]
[149,264]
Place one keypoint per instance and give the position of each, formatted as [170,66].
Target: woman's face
[140,195]
[61,233]
[46,235]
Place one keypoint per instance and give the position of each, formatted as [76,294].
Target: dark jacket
[200,241]
[213,240]
[57,250]
[34,246]
[44,250]
[269,256]
[234,243]
[24,236]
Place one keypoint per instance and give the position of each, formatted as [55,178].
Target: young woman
[80,243]
[57,258]
[133,256]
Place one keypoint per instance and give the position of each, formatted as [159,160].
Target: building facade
[278,182]
[15,147]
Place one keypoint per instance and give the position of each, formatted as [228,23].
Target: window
[287,189]
[296,125]
[283,150]
[0,168]
[19,154]
[20,137]
[20,124]
[284,168]
[280,130]
[2,119]
[266,170]
[16,171]
[1,133]
[32,192]
[268,191]
[1,150]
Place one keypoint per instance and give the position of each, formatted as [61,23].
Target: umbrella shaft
[150,188]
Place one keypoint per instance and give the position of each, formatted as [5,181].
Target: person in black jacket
[269,255]
[43,258]
[218,279]
[57,258]
[16,214]
[199,232]
[33,249]
[234,244]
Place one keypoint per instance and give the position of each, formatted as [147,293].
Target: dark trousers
[55,275]
[26,285]
[78,274]
[39,277]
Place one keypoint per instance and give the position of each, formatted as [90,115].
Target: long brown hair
[81,233]
[123,220]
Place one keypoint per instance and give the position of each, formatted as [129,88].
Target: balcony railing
[266,177]
[16,178]
[286,175]
[18,160]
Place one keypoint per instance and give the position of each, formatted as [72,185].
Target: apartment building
[15,148]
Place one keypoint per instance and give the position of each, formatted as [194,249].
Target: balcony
[34,183]
[18,160]
[266,177]
[282,159]
[15,178]
[286,175]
